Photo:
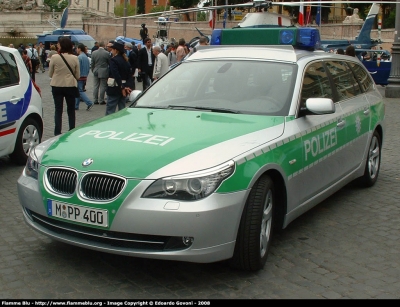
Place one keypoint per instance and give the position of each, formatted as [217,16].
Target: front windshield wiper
[223,110]
[150,107]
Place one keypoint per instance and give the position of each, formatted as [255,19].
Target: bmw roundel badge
[87,162]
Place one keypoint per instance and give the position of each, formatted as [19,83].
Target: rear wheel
[28,135]
[255,231]
[373,164]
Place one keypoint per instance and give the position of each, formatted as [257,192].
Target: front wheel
[373,164]
[255,231]
[28,136]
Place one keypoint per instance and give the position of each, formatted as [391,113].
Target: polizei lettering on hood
[145,138]
[320,143]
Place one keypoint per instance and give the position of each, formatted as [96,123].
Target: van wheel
[255,231]
[28,136]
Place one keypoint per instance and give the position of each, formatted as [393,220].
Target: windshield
[246,87]
[88,43]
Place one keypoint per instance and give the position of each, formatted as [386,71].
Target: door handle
[341,123]
[15,100]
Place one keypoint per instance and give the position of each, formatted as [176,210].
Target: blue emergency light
[298,37]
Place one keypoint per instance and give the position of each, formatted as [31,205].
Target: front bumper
[148,228]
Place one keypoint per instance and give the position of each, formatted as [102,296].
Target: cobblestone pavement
[346,247]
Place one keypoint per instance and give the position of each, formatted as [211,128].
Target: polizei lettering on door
[320,143]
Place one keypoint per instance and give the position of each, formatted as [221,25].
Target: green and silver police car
[228,146]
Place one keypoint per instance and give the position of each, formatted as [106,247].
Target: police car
[228,146]
[21,123]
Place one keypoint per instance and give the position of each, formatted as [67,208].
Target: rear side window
[315,83]
[8,69]
[363,77]
[344,80]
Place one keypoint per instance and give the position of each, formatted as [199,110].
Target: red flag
[211,19]
[301,14]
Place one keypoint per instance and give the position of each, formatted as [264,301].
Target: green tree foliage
[202,16]
[141,5]
[53,5]
[184,4]
[159,8]
[389,21]
[119,10]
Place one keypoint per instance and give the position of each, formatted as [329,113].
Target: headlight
[32,164]
[193,186]
[35,157]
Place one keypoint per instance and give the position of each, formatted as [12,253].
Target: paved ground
[346,247]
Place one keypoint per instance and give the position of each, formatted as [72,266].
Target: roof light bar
[302,37]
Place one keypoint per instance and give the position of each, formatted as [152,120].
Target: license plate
[81,214]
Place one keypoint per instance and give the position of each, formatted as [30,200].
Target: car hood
[149,144]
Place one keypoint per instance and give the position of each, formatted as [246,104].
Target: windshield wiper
[222,110]
[150,107]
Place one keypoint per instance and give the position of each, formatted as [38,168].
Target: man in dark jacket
[133,59]
[144,32]
[146,63]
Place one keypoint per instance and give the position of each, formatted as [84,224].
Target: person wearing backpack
[33,54]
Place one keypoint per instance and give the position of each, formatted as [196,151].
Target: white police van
[21,114]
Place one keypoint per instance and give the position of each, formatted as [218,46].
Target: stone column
[392,90]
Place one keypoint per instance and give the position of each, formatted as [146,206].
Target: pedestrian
[11,46]
[27,61]
[172,55]
[181,50]
[340,51]
[144,33]
[99,67]
[133,61]
[63,82]
[95,47]
[74,52]
[109,45]
[146,63]
[84,68]
[161,64]
[51,52]
[21,48]
[33,54]
[120,77]
[350,51]
[203,41]
[42,56]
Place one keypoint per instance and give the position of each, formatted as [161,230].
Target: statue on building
[353,18]
[16,5]
[75,4]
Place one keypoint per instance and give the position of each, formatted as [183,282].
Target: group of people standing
[34,58]
[114,69]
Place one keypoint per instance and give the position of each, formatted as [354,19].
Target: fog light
[187,240]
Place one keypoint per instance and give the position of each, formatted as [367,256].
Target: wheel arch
[277,177]
[38,119]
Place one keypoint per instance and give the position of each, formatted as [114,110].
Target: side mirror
[320,106]
[134,95]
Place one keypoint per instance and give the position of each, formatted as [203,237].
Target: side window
[8,69]
[315,83]
[363,77]
[345,82]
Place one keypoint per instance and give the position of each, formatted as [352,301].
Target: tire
[29,135]
[255,231]
[373,164]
